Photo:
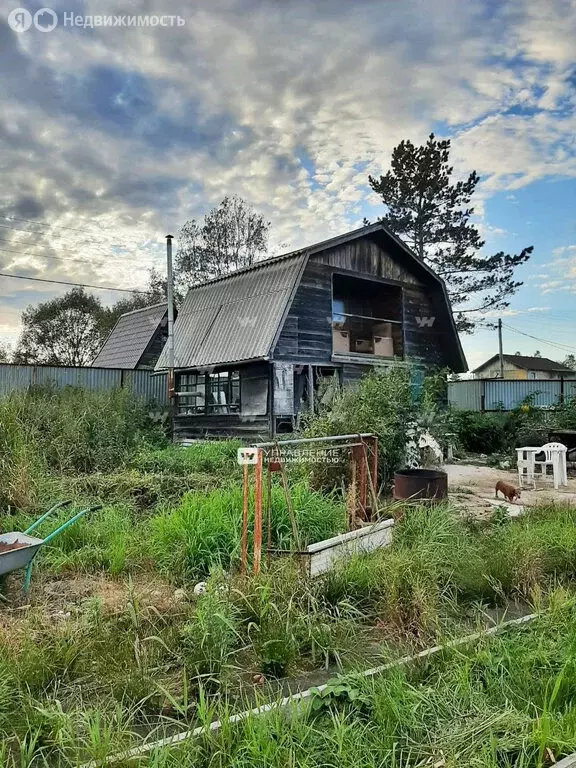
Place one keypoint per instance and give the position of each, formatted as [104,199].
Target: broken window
[208,393]
[366,317]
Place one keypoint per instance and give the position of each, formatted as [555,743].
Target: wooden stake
[244,536]
[257,513]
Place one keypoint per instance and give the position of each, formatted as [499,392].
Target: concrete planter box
[323,555]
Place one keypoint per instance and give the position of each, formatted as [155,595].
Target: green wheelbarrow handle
[69,522]
[59,505]
[48,538]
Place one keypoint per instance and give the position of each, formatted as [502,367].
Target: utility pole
[500,353]
[170,297]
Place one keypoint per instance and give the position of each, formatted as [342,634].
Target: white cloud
[289,104]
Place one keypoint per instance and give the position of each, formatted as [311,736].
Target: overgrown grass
[66,431]
[204,530]
[504,701]
[216,457]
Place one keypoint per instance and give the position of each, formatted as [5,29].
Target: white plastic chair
[525,463]
[555,457]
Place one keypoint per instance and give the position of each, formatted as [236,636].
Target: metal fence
[142,383]
[505,395]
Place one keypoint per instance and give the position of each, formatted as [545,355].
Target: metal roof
[130,336]
[234,318]
[529,363]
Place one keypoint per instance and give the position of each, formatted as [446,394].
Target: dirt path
[472,488]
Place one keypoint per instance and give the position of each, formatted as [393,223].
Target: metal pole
[500,353]
[170,297]
[327,439]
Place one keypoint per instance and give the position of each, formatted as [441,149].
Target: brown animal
[507,490]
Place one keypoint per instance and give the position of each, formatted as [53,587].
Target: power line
[40,223]
[561,347]
[64,258]
[76,285]
[38,256]
[46,232]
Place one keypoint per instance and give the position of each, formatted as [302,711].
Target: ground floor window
[208,393]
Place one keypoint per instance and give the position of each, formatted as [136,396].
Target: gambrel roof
[237,318]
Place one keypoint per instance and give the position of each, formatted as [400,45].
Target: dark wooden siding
[307,333]
[199,427]
[366,257]
[154,348]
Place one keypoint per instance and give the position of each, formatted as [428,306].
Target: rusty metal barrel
[422,485]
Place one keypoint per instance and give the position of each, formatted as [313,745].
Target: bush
[481,432]
[382,403]
[504,431]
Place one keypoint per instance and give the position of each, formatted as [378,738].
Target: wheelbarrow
[22,555]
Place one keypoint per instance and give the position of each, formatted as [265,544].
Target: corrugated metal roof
[130,337]
[236,317]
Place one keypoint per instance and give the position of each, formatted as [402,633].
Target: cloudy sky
[113,136]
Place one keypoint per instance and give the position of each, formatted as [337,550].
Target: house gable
[306,334]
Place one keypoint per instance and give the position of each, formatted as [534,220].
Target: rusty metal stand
[363,480]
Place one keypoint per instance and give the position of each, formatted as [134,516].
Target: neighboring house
[136,340]
[521,367]
[252,348]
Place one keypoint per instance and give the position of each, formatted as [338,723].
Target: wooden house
[136,340]
[252,348]
[523,367]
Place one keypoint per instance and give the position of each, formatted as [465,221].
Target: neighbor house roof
[528,363]
[236,318]
[130,337]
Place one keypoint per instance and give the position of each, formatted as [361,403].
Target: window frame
[191,383]
[334,314]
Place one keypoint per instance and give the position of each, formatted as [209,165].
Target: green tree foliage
[570,362]
[62,331]
[71,329]
[4,353]
[229,237]
[432,212]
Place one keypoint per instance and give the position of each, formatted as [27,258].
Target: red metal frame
[363,469]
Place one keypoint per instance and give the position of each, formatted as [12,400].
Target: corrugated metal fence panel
[88,378]
[142,383]
[569,389]
[149,387]
[14,377]
[508,395]
[465,395]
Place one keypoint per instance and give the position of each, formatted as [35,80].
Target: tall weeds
[66,431]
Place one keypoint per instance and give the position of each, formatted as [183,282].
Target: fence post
[561,390]
[483,395]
